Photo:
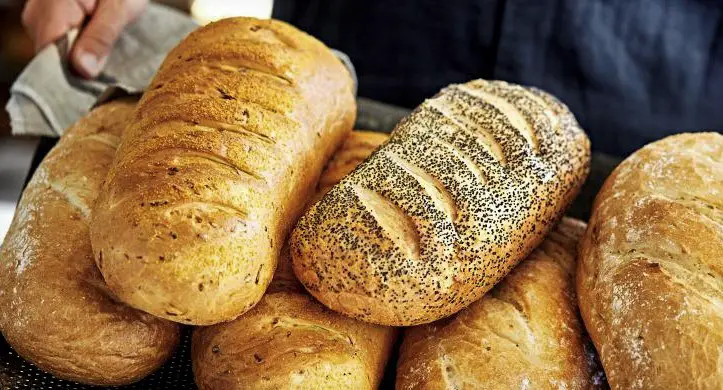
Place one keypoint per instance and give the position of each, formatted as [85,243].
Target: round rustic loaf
[650,269]
[55,309]
[465,188]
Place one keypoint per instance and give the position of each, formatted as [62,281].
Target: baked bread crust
[465,188]
[219,157]
[650,271]
[55,309]
[524,333]
[289,340]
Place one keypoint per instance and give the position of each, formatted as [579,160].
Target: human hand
[48,20]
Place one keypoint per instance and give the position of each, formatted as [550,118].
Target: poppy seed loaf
[465,188]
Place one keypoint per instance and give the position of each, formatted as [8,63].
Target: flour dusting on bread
[651,288]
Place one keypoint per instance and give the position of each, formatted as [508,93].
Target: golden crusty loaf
[222,152]
[55,309]
[650,269]
[465,188]
[525,333]
[289,340]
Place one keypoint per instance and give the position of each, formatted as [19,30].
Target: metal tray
[17,374]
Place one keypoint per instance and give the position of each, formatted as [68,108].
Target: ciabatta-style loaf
[524,334]
[466,187]
[55,309]
[220,156]
[650,269]
[289,340]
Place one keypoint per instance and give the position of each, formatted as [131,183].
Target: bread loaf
[55,309]
[219,158]
[650,271]
[465,188]
[289,340]
[524,334]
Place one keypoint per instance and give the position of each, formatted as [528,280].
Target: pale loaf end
[650,269]
[55,309]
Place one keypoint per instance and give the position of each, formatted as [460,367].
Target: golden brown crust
[525,333]
[465,188]
[222,151]
[289,340]
[55,309]
[650,273]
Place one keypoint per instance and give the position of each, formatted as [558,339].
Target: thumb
[91,50]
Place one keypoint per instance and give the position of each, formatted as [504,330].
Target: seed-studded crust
[650,270]
[357,147]
[221,153]
[55,309]
[289,340]
[465,188]
[524,334]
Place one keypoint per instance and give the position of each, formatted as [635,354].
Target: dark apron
[632,71]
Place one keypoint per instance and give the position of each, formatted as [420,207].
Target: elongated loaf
[55,309]
[465,188]
[220,156]
[650,269]
[289,340]
[524,334]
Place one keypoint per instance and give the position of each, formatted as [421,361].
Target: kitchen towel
[48,97]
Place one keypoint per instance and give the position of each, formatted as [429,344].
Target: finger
[91,50]
[47,21]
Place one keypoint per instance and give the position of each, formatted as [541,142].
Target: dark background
[632,71]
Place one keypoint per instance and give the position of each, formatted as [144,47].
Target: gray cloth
[47,98]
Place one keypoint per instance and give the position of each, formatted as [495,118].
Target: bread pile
[289,338]
[183,209]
